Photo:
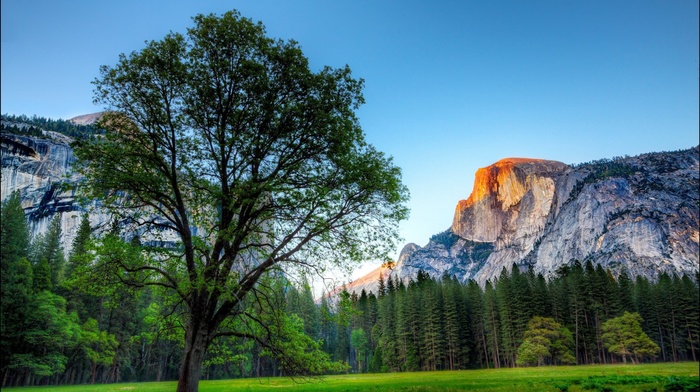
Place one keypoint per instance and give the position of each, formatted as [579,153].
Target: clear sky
[451,86]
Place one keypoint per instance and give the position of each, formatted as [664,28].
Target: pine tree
[79,244]
[624,293]
[455,318]
[14,232]
[386,354]
[343,318]
[645,303]
[492,324]
[408,327]
[666,303]
[328,328]
[433,335]
[508,317]
[42,276]
[479,352]
[381,290]
[48,247]
[15,276]
[689,306]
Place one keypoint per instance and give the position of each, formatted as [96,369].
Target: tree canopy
[624,336]
[226,138]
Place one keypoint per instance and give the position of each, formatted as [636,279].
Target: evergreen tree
[14,232]
[42,276]
[53,251]
[15,276]
[47,248]
[343,318]
[17,296]
[381,290]
[541,297]
[433,336]
[454,318]
[667,308]
[79,244]
[479,352]
[386,353]
[328,326]
[689,307]
[648,307]
[509,320]
[624,294]
[409,315]
[492,324]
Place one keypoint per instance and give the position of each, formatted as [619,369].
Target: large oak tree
[226,138]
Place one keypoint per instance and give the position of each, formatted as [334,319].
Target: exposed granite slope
[638,213]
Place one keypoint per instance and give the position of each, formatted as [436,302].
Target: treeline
[59,326]
[32,126]
[432,324]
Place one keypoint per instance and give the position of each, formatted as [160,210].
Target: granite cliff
[638,213]
[38,163]
[634,213]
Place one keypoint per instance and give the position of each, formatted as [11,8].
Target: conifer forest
[58,329]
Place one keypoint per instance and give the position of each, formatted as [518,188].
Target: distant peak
[87,119]
[518,161]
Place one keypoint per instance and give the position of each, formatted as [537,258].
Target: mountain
[38,162]
[638,214]
[86,119]
[39,167]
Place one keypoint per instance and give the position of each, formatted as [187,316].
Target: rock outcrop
[40,169]
[87,119]
[640,214]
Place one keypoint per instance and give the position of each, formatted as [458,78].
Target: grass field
[654,377]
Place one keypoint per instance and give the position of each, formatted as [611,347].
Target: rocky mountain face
[640,214]
[39,168]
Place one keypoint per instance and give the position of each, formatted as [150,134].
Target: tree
[15,275]
[79,243]
[226,138]
[545,339]
[98,346]
[14,238]
[359,341]
[47,254]
[49,334]
[624,336]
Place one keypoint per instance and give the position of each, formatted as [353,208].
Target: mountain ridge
[638,214]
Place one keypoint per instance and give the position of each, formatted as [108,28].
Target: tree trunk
[196,341]
[92,372]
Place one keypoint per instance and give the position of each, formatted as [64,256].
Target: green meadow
[652,377]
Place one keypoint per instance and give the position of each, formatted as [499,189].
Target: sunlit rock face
[513,195]
[369,283]
[638,214]
[508,207]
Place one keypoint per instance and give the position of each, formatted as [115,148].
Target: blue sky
[450,86]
